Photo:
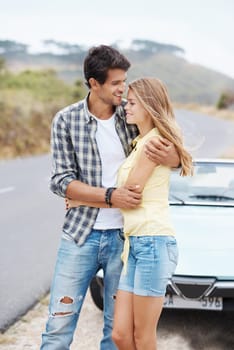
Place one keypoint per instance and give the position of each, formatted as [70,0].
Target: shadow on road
[201,329]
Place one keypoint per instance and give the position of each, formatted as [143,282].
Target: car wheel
[96,290]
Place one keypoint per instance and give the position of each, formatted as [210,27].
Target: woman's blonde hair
[153,96]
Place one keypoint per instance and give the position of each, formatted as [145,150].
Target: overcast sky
[203,28]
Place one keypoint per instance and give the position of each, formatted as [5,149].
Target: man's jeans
[74,270]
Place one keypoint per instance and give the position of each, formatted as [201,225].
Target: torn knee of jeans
[62,313]
[64,300]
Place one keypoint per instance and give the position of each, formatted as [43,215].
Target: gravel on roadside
[26,333]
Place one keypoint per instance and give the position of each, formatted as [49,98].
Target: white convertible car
[202,209]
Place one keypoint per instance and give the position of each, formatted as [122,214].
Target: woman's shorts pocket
[172,250]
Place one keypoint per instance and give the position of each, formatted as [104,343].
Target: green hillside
[187,82]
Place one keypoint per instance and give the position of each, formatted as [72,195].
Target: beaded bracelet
[108,195]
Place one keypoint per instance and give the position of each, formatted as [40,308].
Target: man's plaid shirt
[76,157]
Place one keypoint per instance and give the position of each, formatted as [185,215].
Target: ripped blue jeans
[75,267]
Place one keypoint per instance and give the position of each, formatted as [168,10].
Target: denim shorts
[151,263]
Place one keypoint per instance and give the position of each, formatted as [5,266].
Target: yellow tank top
[152,216]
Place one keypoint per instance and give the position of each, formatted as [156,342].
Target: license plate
[206,303]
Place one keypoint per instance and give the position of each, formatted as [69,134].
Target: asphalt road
[30,219]
[31,216]
[206,136]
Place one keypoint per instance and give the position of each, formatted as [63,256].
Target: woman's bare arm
[142,170]
[136,181]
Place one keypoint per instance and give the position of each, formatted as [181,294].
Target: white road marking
[7,189]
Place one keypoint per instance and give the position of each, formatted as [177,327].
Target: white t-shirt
[112,156]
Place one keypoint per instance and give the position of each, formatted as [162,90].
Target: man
[90,139]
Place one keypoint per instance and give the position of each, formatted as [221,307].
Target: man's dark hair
[100,59]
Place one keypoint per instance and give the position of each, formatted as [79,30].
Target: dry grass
[21,140]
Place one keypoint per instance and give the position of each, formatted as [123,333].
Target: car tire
[96,290]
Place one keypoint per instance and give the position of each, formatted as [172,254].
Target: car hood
[205,238]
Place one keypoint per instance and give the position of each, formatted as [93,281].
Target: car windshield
[211,184]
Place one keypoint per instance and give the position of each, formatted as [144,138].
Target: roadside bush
[226,100]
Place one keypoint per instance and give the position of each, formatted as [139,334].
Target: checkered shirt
[75,156]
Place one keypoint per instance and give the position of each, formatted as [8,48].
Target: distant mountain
[186,82]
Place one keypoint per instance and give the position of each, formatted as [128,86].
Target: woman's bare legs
[138,333]
[147,311]
[123,332]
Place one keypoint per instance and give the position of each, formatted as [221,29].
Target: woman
[150,249]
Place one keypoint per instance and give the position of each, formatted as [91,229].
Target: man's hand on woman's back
[162,151]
